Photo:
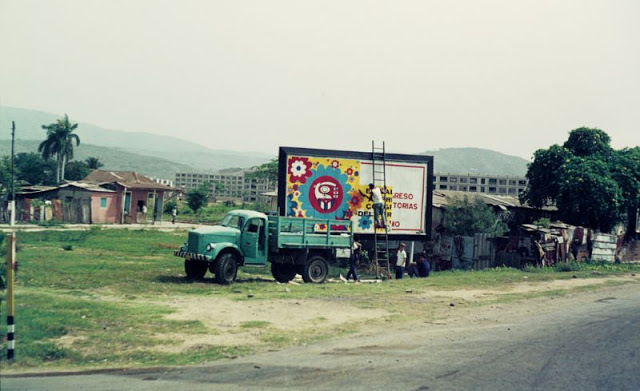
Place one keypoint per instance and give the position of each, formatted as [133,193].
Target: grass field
[103,298]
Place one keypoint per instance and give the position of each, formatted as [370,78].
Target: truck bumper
[190,255]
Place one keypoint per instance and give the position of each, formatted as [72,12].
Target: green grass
[100,298]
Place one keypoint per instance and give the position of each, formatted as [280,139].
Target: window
[103,202]
[443,187]
[473,188]
[444,179]
[493,181]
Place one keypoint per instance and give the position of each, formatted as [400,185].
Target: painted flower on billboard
[299,169]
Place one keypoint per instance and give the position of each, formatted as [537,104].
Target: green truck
[291,245]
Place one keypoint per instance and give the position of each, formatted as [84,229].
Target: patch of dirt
[225,319]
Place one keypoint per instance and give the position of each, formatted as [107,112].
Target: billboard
[334,184]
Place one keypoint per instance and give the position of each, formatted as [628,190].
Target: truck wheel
[315,270]
[283,273]
[195,269]
[226,269]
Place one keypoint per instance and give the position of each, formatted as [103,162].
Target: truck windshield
[233,221]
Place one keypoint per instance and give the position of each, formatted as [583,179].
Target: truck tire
[226,269]
[283,273]
[195,269]
[315,270]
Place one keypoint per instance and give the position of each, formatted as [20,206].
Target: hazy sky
[508,75]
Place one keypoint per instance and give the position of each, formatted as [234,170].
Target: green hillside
[112,158]
[29,127]
[477,161]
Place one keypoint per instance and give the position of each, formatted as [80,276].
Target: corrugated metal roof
[442,198]
[130,179]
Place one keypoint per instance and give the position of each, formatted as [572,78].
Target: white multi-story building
[490,184]
[227,185]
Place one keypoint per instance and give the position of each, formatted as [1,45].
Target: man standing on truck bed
[378,206]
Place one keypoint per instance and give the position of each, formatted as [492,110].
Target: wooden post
[11,262]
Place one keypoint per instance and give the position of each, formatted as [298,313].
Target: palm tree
[59,143]
[93,162]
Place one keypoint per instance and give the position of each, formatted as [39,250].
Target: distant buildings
[233,185]
[490,184]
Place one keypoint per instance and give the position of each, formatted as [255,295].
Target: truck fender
[218,248]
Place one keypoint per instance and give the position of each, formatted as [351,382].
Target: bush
[567,267]
[169,205]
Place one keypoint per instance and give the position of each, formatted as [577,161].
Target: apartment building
[227,185]
[490,184]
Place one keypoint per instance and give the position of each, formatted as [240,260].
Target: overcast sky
[508,75]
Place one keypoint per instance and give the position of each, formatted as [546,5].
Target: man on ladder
[378,206]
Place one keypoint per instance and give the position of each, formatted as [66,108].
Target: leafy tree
[77,170]
[169,205]
[33,169]
[93,162]
[59,143]
[5,175]
[626,172]
[198,197]
[465,217]
[267,170]
[591,184]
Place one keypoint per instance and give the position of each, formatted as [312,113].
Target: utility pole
[11,257]
[13,174]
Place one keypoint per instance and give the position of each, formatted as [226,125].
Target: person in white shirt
[378,206]
[401,260]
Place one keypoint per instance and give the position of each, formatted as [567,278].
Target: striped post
[11,257]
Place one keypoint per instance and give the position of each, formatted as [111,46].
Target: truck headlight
[209,247]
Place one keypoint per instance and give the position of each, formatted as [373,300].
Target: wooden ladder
[381,236]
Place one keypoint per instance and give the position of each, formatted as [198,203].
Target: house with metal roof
[139,199]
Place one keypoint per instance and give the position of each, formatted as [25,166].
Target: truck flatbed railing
[291,232]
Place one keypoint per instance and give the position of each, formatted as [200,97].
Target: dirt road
[586,340]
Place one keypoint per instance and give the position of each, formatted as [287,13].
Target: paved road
[585,342]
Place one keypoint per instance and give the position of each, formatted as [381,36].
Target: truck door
[254,242]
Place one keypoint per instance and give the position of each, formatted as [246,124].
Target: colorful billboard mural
[335,184]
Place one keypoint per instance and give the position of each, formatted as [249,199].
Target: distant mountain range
[100,142]
[477,161]
[163,156]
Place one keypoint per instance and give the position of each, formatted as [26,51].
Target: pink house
[135,199]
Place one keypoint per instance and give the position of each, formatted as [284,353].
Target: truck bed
[295,232]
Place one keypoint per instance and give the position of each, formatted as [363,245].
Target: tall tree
[267,170]
[93,163]
[592,184]
[33,169]
[198,197]
[77,170]
[59,143]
